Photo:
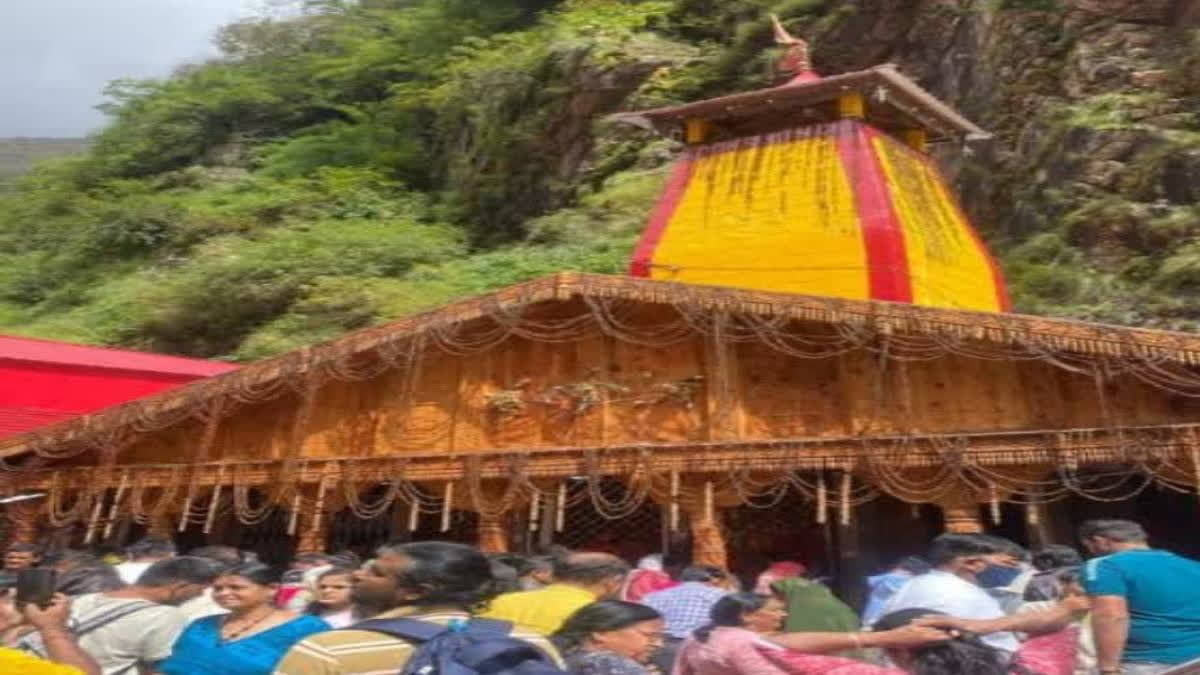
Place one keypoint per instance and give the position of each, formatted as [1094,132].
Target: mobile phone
[36,585]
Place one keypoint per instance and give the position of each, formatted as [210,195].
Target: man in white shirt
[142,554]
[131,629]
[952,586]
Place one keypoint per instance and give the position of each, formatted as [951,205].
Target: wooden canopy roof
[1162,358]
[895,101]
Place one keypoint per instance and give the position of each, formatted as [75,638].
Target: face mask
[997,576]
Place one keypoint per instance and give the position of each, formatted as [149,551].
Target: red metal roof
[43,382]
[49,352]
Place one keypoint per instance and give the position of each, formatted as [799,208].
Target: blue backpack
[472,647]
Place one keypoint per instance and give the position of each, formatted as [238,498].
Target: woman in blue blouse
[249,640]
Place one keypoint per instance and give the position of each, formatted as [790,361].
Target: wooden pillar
[851,105]
[311,535]
[493,534]
[23,520]
[697,131]
[708,542]
[960,513]
[312,527]
[401,519]
[917,139]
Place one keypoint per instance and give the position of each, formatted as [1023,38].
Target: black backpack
[470,647]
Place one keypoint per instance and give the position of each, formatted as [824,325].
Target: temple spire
[795,62]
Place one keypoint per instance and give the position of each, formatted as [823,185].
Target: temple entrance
[788,530]
[880,532]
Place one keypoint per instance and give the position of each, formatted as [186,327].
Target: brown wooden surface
[774,396]
[1087,345]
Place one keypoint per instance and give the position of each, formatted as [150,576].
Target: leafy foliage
[370,158]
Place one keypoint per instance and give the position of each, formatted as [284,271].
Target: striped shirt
[361,652]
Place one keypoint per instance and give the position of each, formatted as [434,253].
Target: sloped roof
[886,86]
[53,353]
[1072,344]
[39,369]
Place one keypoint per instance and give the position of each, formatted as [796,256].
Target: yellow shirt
[14,661]
[542,611]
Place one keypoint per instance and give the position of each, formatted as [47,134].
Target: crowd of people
[974,604]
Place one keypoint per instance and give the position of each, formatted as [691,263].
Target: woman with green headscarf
[812,608]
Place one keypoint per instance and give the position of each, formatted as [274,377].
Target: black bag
[471,647]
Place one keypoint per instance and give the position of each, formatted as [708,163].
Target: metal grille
[464,528]
[348,532]
[786,531]
[269,539]
[636,535]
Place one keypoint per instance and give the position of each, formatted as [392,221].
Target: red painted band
[643,255]
[883,238]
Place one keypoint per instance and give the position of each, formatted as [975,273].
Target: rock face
[1091,189]
[1135,11]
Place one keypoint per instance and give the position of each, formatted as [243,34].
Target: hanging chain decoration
[994,502]
[214,502]
[116,504]
[535,503]
[94,520]
[844,499]
[414,516]
[294,515]
[59,517]
[709,507]
[447,505]
[822,505]
[674,501]
[319,508]
[560,506]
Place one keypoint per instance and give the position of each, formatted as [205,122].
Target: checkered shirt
[684,607]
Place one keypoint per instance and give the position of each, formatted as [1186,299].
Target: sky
[57,55]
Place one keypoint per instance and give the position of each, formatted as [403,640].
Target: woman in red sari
[743,639]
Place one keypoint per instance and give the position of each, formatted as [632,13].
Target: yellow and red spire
[820,187]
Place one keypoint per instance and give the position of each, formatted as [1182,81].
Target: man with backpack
[135,627]
[423,596]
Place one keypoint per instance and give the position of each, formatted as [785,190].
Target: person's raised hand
[913,635]
[53,617]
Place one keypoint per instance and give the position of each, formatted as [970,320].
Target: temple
[811,358]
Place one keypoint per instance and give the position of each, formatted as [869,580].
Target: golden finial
[795,62]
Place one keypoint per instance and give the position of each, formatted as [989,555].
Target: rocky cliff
[1090,189]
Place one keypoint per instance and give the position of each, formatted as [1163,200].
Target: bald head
[600,573]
